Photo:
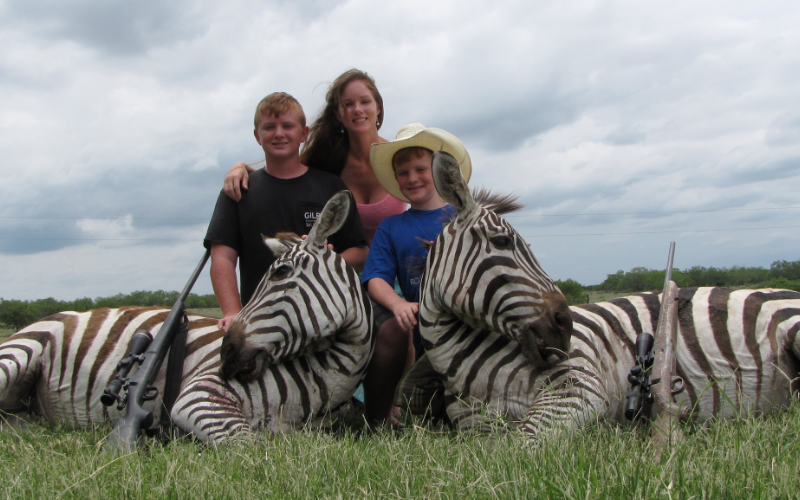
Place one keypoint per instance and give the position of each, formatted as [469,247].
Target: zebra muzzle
[238,359]
[534,347]
[546,340]
[245,366]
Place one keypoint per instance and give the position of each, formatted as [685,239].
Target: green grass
[209,311]
[601,296]
[5,332]
[745,458]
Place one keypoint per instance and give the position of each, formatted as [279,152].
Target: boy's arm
[223,279]
[383,293]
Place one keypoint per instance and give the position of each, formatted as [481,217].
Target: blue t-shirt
[396,249]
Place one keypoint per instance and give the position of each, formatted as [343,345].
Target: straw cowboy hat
[415,135]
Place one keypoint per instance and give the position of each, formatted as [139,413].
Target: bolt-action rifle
[655,358]
[131,392]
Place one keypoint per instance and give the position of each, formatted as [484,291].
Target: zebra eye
[502,241]
[280,272]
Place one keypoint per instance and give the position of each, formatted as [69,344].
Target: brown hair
[408,154]
[327,147]
[276,104]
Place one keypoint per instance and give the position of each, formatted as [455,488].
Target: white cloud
[121,110]
[105,228]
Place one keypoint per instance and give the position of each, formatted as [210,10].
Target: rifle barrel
[126,429]
[668,276]
[160,344]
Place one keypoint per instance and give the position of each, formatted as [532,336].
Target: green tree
[573,291]
[48,306]
[17,314]
[81,305]
[783,283]
[612,282]
[785,269]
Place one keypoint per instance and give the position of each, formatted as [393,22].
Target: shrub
[16,313]
[783,283]
[573,291]
[784,269]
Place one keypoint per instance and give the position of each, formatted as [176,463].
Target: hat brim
[435,139]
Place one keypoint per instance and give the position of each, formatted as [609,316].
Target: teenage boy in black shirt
[284,196]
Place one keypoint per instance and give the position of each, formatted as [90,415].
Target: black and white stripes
[294,355]
[498,333]
[737,352]
[59,366]
[488,312]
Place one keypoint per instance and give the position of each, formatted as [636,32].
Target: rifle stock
[667,413]
[127,428]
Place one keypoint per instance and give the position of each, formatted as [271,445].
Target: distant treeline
[781,274]
[18,313]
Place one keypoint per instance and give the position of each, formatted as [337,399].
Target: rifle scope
[139,342]
[639,377]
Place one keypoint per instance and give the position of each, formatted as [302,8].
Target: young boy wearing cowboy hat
[403,167]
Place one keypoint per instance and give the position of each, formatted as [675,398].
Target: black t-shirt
[271,205]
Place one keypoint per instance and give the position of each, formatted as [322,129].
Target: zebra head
[306,297]
[482,271]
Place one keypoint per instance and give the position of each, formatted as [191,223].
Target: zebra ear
[331,219]
[450,183]
[278,246]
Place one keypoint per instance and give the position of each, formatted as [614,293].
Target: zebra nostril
[563,322]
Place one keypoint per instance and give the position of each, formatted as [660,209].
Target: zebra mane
[497,203]
[288,238]
[281,243]
[415,263]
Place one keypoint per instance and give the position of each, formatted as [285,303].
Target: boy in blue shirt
[403,167]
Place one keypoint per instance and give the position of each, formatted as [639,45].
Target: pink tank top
[372,214]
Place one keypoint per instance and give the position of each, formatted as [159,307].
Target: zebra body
[738,351]
[315,319]
[485,301]
[58,367]
[493,322]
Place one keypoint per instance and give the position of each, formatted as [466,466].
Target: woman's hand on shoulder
[236,179]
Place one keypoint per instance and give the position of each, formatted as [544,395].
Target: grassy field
[754,457]
[600,296]
[211,311]
[744,458]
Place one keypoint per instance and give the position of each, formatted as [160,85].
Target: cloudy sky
[622,125]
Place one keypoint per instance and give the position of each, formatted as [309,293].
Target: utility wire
[650,213]
[664,232]
[108,218]
[103,239]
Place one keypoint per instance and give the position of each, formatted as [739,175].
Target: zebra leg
[472,414]
[569,404]
[792,345]
[20,366]
[210,409]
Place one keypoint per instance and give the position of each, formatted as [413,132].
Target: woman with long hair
[338,142]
